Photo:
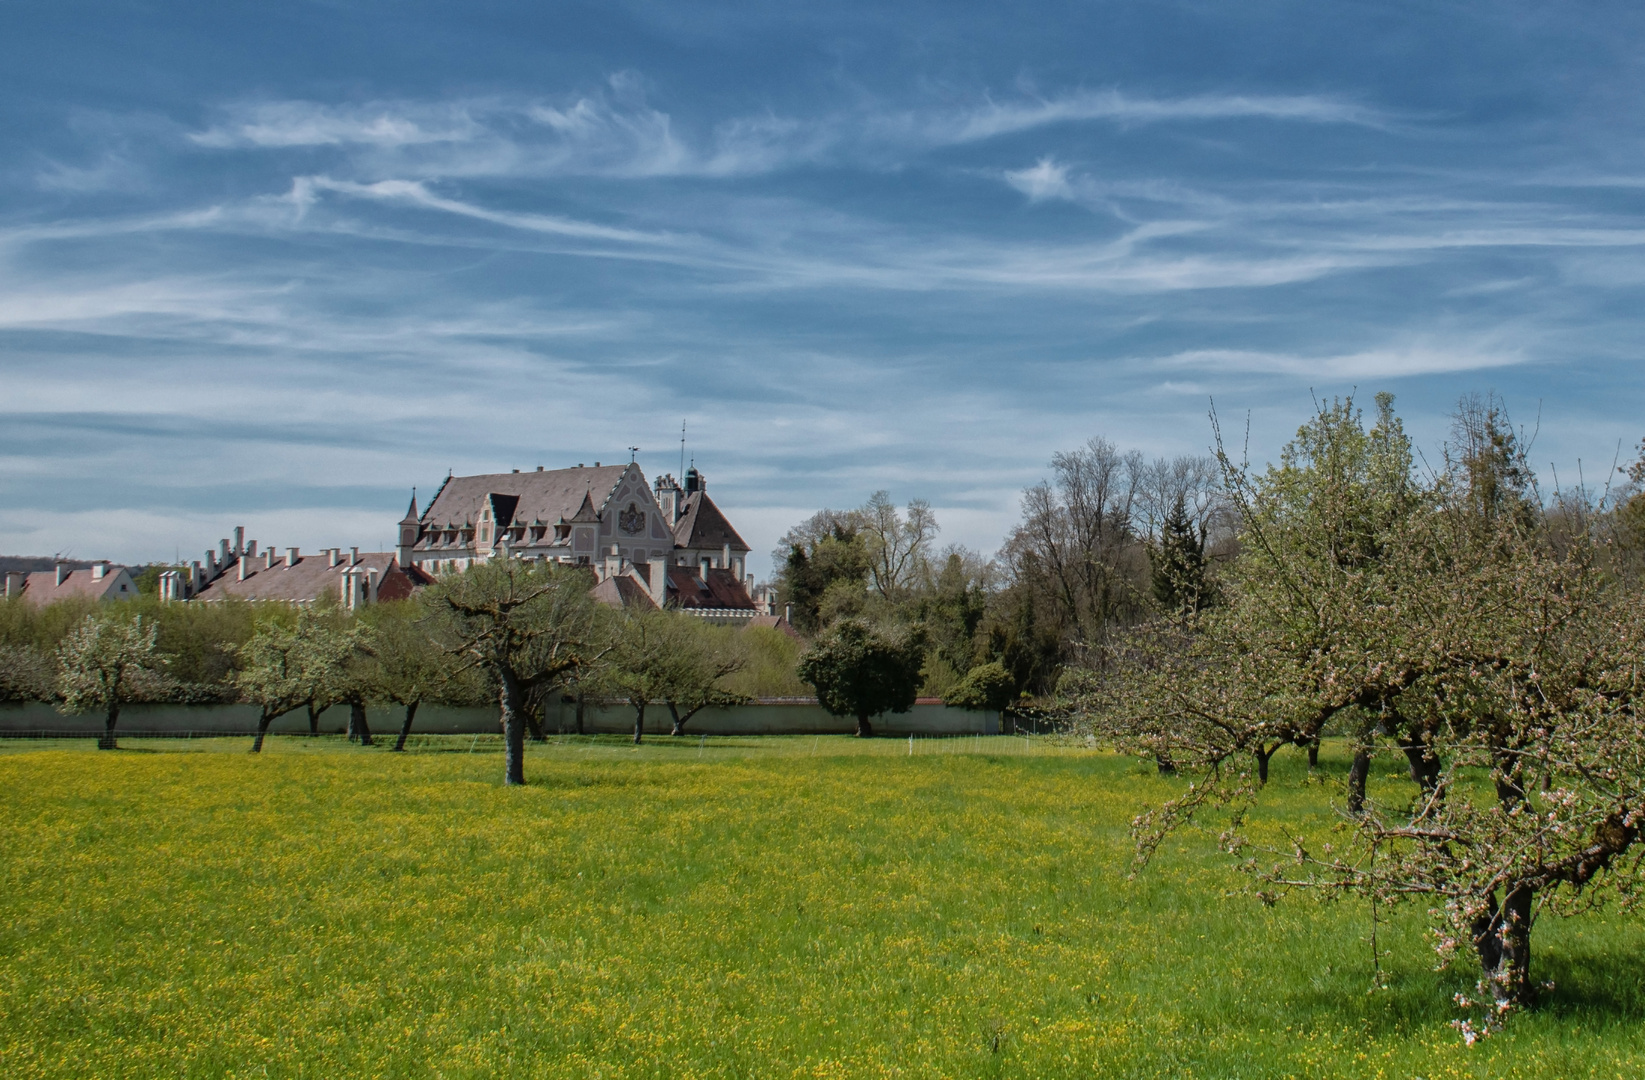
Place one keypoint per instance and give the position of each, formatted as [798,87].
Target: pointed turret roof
[586,512]
[411,514]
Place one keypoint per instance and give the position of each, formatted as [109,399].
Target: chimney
[210,564]
[99,570]
[659,582]
[268,559]
[788,613]
[222,553]
[353,556]
[291,557]
[15,579]
[332,555]
[371,584]
[251,549]
[242,568]
[239,539]
[539,468]
[725,557]
[197,577]
[62,573]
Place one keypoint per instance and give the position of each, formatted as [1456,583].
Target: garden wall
[786,717]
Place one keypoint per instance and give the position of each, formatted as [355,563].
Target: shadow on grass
[1605,986]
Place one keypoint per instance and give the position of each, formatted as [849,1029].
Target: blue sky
[276,264]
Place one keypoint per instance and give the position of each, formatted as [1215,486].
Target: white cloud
[1046,180]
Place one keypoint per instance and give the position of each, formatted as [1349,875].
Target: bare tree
[898,542]
[528,625]
[1078,541]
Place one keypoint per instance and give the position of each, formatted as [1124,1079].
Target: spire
[411,513]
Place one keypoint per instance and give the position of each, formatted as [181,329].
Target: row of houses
[659,544]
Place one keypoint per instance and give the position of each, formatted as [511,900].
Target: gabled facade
[101,582]
[562,515]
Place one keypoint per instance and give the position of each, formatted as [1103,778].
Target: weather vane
[632,450]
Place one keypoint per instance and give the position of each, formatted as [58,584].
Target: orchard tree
[406,667]
[26,674]
[641,662]
[269,675]
[859,671]
[1426,615]
[100,664]
[706,657]
[527,625]
[336,654]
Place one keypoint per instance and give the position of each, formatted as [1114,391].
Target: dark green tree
[858,671]
[986,686]
[1178,560]
[825,566]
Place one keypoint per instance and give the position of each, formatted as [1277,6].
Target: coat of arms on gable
[632,520]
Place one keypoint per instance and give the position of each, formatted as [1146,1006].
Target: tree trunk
[1262,755]
[639,722]
[1503,938]
[865,730]
[674,714]
[405,726]
[1424,763]
[314,720]
[1313,753]
[357,722]
[1357,773]
[1164,764]
[106,742]
[263,722]
[508,699]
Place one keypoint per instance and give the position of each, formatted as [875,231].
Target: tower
[410,531]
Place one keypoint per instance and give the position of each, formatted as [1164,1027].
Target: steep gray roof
[543,496]
[703,526]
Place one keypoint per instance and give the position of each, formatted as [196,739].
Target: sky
[277,265]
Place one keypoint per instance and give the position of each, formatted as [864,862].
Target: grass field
[751,908]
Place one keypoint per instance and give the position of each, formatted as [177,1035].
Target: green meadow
[791,907]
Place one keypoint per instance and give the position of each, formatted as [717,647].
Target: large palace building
[659,543]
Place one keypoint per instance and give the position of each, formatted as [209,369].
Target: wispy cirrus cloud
[996,118]
[616,132]
[1392,361]
[283,124]
[306,189]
